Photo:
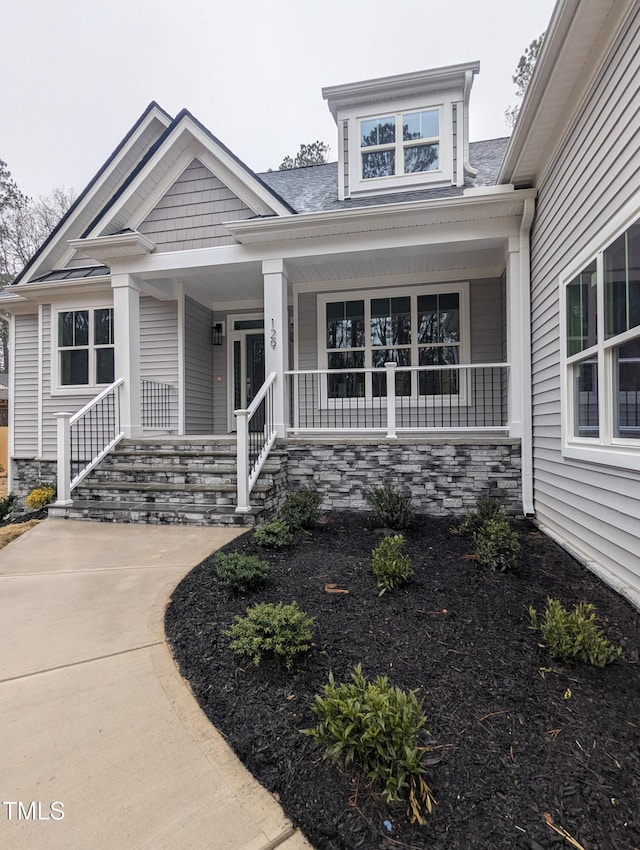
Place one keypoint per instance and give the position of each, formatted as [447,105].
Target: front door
[248,371]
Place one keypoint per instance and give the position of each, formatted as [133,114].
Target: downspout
[527,423]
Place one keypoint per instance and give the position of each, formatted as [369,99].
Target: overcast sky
[76,74]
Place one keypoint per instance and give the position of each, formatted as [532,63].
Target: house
[420,311]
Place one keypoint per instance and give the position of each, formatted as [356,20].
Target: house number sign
[274,340]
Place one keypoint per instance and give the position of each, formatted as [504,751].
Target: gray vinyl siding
[25,401]
[198,368]
[53,404]
[593,508]
[159,349]
[192,212]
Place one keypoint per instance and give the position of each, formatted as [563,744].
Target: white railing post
[242,427]
[64,459]
[391,400]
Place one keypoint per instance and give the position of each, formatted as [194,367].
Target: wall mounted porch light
[217,332]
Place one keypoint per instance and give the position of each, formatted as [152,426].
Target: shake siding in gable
[198,368]
[25,417]
[159,347]
[192,212]
[594,508]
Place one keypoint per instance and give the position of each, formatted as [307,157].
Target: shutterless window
[85,347]
[406,143]
[603,352]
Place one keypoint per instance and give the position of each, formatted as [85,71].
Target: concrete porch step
[155,513]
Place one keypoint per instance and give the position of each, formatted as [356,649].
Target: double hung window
[424,328]
[404,143]
[602,347]
[85,347]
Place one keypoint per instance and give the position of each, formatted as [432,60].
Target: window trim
[606,449]
[399,146]
[92,388]
[367,295]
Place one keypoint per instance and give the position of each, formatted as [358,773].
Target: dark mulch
[514,734]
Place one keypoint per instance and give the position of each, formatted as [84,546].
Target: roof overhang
[400,86]
[475,207]
[577,40]
[104,249]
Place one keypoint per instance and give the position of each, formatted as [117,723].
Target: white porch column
[515,340]
[276,336]
[126,323]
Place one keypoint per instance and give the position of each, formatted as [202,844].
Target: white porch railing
[394,399]
[85,437]
[256,434]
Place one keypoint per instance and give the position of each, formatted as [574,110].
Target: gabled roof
[183,129]
[145,130]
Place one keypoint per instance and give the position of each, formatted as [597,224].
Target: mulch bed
[514,734]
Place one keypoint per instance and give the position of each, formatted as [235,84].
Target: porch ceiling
[233,283]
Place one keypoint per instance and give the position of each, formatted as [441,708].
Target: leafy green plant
[273,535]
[239,573]
[391,566]
[376,727]
[6,503]
[497,545]
[40,496]
[301,509]
[487,508]
[390,506]
[280,630]
[574,635]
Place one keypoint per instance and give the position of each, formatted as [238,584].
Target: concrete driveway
[101,743]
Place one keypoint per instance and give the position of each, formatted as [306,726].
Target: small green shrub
[6,503]
[273,535]
[376,727]
[267,629]
[301,509]
[391,507]
[497,545]
[239,573]
[487,508]
[574,635]
[40,496]
[390,566]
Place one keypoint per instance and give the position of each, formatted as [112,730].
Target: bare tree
[25,223]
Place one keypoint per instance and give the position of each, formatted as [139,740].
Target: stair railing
[256,434]
[86,437]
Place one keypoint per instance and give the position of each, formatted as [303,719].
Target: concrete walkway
[93,713]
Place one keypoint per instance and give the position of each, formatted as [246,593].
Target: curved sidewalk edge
[261,806]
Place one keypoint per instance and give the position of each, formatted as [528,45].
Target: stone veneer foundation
[441,476]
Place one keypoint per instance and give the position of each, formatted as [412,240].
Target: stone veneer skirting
[441,476]
[27,473]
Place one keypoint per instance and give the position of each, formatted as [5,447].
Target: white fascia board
[384,217]
[549,109]
[155,114]
[36,292]
[105,248]
[160,265]
[250,190]
[397,86]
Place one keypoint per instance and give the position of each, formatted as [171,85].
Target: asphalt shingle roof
[315,188]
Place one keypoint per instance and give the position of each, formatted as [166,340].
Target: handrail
[382,369]
[86,437]
[253,447]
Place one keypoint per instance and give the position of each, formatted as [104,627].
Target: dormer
[406,132]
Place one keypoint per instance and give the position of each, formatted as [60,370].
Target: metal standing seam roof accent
[73,274]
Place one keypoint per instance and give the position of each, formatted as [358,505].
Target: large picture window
[85,347]
[602,347]
[422,328]
[405,143]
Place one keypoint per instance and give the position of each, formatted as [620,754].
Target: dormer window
[385,152]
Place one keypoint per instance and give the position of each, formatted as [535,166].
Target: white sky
[76,74]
